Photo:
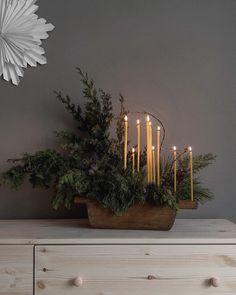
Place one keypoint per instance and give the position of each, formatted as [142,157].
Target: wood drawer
[16,270]
[135,269]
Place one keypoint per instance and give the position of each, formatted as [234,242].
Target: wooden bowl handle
[214,282]
[78,282]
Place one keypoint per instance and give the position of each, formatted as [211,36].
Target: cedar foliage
[90,162]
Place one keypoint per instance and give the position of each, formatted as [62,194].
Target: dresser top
[185,231]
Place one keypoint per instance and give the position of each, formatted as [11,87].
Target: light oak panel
[191,231]
[16,270]
[135,269]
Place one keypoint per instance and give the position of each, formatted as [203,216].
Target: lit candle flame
[126,118]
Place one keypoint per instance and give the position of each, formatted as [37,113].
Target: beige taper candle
[150,152]
[191,171]
[138,146]
[175,168]
[153,165]
[158,154]
[125,141]
[133,160]
[147,143]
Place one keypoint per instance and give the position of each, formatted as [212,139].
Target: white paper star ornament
[21,32]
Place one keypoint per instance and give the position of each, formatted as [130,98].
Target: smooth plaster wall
[176,58]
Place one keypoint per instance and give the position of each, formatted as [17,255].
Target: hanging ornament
[21,32]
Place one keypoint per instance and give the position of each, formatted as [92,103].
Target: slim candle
[175,167]
[191,170]
[139,143]
[125,141]
[150,151]
[153,165]
[158,154]
[147,143]
[133,160]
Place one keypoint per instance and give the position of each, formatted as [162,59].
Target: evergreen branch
[70,107]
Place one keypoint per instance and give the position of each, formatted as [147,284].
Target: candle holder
[153,159]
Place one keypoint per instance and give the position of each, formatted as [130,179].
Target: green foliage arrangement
[89,162]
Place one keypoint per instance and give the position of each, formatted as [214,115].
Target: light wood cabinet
[58,257]
[16,270]
[139,270]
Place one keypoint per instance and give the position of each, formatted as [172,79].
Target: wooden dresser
[66,257]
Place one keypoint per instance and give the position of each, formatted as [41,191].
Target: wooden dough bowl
[139,216]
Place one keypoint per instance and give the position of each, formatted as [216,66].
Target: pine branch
[70,107]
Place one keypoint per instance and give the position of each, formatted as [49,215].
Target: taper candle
[158,154]
[150,152]
[138,147]
[133,160]
[125,141]
[191,171]
[175,167]
[153,165]
[147,144]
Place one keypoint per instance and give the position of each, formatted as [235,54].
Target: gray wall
[174,58]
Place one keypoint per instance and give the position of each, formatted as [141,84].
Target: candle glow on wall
[153,155]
